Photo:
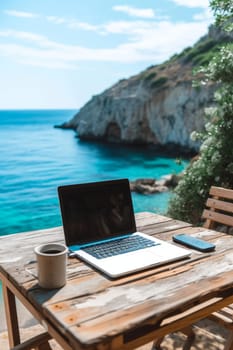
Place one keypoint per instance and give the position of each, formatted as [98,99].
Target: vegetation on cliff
[190,58]
[215,163]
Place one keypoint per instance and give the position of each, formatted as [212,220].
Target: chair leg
[44,346]
[190,337]
[11,316]
[156,344]
[188,331]
[229,342]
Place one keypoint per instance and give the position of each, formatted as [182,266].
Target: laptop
[99,228]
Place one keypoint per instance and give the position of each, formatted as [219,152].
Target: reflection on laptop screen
[92,212]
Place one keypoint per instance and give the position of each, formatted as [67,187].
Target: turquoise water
[36,158]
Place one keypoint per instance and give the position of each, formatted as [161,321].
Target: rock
[160,188]
[171,180]
[145,189]
[150,185]
[149,182]
[158,106]
[146,186]
[133,113]
[63,126]
[142,185]
[161,182]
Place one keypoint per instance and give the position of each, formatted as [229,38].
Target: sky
[57,54]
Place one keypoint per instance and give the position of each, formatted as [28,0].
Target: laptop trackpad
[131,261]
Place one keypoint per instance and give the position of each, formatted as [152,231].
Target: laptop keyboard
[120,246]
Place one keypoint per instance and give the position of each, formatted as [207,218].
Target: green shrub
[150,76]
[215,163]
[202,49]
[181,54]
[158,82]
[203,59]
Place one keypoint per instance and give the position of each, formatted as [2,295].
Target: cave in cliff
[113,132]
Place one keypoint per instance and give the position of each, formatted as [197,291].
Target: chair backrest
[220,207]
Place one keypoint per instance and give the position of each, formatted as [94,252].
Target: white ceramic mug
[51,265]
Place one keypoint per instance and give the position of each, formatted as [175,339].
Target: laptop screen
[96,211]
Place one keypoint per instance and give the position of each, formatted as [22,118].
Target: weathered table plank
[93,311]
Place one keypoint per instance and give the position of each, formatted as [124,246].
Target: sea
[36,158]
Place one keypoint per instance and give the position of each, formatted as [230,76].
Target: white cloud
[36,39]
[205,15]
[192,3]
[48,64]
[21,14]
[149,42]
[83,25]
[73,24]
[5,33]
[56,19]
[160,41]
[135,12]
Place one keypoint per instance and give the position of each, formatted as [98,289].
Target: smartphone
[193,242]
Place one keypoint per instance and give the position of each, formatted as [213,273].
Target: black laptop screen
[96,211]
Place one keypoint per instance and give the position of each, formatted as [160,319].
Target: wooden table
[94,312]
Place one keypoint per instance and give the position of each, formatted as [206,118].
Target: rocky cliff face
[158,106]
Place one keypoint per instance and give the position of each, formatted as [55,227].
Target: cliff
[158,106]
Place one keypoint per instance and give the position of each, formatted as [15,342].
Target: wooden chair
[220,208]
[218,215]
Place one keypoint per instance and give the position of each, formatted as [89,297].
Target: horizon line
[40,109]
